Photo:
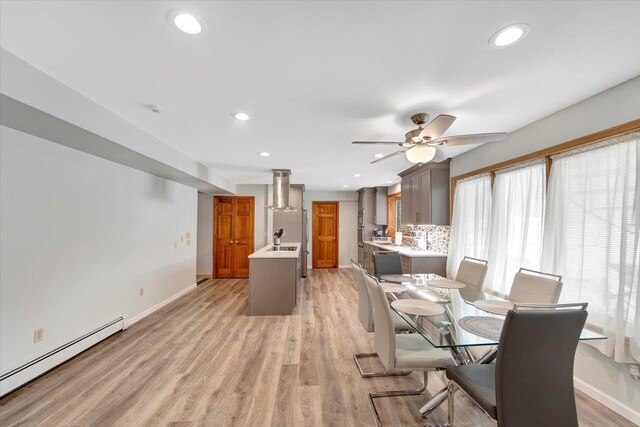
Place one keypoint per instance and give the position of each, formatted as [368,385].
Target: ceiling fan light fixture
[420,154]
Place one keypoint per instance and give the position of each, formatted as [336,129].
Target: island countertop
[267,253]
[407,250]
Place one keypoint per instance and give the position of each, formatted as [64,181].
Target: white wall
[348,232]
[80,237]
[612,107]
[204,264]
[263,217]
[597,375]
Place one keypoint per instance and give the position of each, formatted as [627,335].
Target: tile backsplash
[437,237]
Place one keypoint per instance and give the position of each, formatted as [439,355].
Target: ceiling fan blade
[388,156]
[377,142]
[478,138]
[440,156]
[437,126]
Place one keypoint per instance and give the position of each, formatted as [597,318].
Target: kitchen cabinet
[367,206]
[425,194]
[380,215]
[424,265]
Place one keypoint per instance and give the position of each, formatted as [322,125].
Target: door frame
[314,258]
[214,268]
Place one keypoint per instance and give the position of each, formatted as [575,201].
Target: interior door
[223,236]
[243,235]
[233,235]
[325,234]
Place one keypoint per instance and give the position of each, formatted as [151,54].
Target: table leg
[434,402]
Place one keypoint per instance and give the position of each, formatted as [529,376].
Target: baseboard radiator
[32,369]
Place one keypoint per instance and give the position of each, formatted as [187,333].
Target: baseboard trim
[138,317]
[345,266]
[611,403]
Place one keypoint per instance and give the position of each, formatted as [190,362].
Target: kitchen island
[274,279]
[413,261]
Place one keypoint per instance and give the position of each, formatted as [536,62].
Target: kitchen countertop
[266,253]
[407,250]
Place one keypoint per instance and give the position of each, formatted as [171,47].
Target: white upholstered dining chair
[530,286]
[471,272]
[366,318]
[403,352]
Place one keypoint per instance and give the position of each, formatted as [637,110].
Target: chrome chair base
[396,393]
[363,374]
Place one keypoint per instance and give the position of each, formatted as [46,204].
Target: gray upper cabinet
[425,194]
[380,216]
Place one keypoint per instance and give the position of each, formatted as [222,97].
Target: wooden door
[233,235]
[325,234]
[243,235]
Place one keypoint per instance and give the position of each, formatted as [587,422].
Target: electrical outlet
[141,291]
[38,335]
[188,234]
[188,242]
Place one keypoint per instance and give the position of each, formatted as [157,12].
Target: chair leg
[395,393]
[451,387]
[363,374]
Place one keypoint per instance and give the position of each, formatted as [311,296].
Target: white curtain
[517,218]
[470,222]
[592,238]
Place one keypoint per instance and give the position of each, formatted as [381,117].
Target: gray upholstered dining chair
[386,263]
[531,383]
[530,286]
[410,352]
[365,316]
[471,272]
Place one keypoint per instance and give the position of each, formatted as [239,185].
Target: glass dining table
[470,333]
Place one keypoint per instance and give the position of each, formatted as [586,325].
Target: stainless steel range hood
[281,191]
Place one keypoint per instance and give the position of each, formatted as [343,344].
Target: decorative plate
[494,306]
[417,307]
[393,288]
[446,283]
[482,326]
[397,278]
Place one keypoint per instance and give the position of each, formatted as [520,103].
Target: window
[517,214]
[592,237]
[470,222]
[588,232]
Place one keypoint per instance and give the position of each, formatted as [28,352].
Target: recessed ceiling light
[264,154]
[379,155]
[241,116]
[509,35]
[186,22]
[345,186]
[389,182]
[357,175]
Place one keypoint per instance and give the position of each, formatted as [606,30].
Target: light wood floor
[202,361]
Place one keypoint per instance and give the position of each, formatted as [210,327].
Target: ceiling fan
[422,145]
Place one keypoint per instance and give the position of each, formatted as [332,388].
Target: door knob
[236,241]
[231,242]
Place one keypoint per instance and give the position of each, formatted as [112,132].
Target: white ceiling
[315,76]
